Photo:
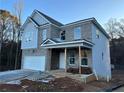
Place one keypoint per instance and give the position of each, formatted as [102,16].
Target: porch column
[79,59]
[65,60]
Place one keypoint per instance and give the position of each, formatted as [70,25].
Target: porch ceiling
[82,43]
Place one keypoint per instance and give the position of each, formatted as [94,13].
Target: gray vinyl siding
[55,32]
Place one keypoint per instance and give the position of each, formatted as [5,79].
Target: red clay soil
[68,85]
[9,88]
[63,84]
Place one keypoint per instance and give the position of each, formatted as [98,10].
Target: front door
[61,60]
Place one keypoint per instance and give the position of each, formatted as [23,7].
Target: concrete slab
[15,75]
[121,89]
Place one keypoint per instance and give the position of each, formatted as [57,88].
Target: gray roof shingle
[50,19]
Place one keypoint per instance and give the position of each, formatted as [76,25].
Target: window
[44,34]
[62,35]
[97,33]
[71,60]
[77,33]
[84,61]
[28,36]
[72,57]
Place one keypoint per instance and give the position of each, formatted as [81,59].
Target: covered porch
[71,59]
[74,57]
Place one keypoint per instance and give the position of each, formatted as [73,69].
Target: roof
[94,21]
[34,21]
[53,21]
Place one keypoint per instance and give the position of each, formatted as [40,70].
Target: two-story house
[48,45]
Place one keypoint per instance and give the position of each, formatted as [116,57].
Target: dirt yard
[64,84]
[59,84]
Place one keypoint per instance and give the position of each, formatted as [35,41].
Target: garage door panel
[34,62]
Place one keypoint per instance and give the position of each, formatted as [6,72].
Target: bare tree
[18,6]
[115,28]
[6,24]
[111,27]
[120,25]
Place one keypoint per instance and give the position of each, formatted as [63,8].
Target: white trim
[87,62]
[33,22]
[48,40]
[74,61]
[77,35]
[44,25]
[65,46]
[72,42]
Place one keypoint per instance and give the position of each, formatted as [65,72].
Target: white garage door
[34,63]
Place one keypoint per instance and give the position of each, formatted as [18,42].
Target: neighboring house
[48,45]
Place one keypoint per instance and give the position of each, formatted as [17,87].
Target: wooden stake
[65,60]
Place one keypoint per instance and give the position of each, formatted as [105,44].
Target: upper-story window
[44,35]
[62,35]
[28,36]
[97,33]
[77,33]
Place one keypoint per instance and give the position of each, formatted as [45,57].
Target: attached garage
[34,63]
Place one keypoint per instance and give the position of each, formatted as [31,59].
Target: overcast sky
[67,11]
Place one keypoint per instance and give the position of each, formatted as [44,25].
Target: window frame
[69,60]
[44,32]
[62,35]
[28,36]
[72,55]
[87,62]
[76,34]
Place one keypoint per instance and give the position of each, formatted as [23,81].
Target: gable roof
[48,40]
[53,21]
[54,44]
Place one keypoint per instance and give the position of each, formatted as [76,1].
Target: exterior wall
[55,32]
[33,43]
[40,33]
[38,52]
[86,31]
[101,63]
